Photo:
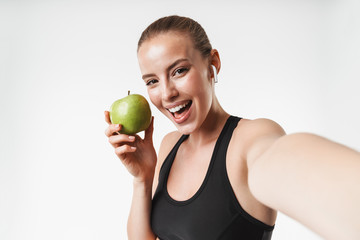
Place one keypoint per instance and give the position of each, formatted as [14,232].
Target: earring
[215,74]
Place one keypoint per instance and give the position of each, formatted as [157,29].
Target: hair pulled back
[180,24]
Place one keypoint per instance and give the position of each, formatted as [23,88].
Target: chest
[196,201]
[188,171]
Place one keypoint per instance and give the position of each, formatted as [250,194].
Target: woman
[219,176]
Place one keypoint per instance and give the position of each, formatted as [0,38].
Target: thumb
[107,117]
[149,131]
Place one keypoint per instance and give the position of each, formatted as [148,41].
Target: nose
[169,91]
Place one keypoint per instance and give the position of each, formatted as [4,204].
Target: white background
[62,63]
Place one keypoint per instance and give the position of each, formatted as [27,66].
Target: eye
[180,71]
[151,82]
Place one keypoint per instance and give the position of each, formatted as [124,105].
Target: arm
[143,191]
[139,157]
[142,195]
[138,226]
[313,180]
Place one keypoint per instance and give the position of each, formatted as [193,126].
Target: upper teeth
[177,108]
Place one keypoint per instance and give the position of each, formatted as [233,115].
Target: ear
[215,60]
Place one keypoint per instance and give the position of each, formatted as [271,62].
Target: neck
[211,127]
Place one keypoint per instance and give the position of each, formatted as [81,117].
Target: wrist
[146,179]
[143,185]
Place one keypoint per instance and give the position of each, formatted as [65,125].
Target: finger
[117,140]
[122,150]
[107,117]
[112,129]
[149,131]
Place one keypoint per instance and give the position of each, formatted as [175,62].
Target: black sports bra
[214,211]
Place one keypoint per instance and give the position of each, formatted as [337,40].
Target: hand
[137,154]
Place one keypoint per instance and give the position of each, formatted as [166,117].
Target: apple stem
[128,92]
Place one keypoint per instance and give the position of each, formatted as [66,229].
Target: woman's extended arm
[313,180]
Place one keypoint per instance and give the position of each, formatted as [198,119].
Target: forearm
[139,227]
[313,180]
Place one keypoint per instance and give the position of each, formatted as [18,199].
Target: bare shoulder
[251,131]
[166,145]
[256,136]
[261,126]
[249,140]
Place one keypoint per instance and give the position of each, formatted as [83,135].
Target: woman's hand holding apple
[137,154]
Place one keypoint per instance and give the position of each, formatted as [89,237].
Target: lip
[183,118]
[176,104]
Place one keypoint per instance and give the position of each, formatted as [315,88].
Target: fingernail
[131,137]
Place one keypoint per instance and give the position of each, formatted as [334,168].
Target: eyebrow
[167,69]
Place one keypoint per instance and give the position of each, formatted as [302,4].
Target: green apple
[132,112]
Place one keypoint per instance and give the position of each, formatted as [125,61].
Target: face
[177,78]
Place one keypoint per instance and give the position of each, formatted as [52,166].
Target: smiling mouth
[179,110]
